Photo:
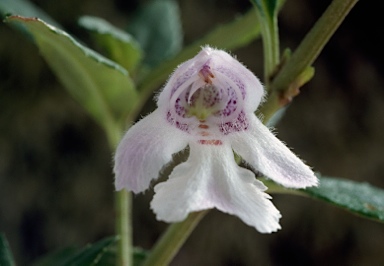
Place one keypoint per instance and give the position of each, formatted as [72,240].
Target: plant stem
[167,247]
[269,108]
[123,227]
[123,207]
[267,17]
[271,49]
[306,53]
[313,43]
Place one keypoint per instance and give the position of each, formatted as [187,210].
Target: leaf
[101,86]
[120,45]
[101,253]
[25,9]
[57,258]
[360,198]
[98,253]
[357,197]
[157,27]
[6,258]
[139,256]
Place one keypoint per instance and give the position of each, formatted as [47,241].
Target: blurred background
[56,186]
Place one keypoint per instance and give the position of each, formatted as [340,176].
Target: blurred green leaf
[101,253]
[139,256]
[360,198]
[157,27]
[6,258]
[101,86]
[98,253]
[57,258]
[25,9]
[120,46]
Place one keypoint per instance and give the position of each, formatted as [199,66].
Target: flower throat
[205,102]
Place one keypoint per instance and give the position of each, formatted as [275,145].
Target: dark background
[55,165]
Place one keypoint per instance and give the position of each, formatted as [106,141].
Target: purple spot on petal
[232,76]
[173,121]
[240,124]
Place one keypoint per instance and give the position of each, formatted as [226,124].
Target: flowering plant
[209,104]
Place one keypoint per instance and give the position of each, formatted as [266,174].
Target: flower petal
[145,149]
[211,178]
[232,73]
[267,154]
[238,76]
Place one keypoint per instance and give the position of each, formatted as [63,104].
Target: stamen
[203,126]
[206,74]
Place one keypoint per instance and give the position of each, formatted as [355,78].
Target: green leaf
[99,253]
[101,86]
[157,27]
[57,258]
[120,46]
[357,197]
[6,258]
[139,256]
[360,198]
[25,9]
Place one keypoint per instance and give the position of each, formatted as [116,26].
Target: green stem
[269,108]
[167,247]
[271,48]
[123,207]
[306,53]
[313,43]
[270,36]
[274,188]
[123,227]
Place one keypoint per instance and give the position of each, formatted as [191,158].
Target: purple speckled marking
[173,121]
[179,107]
[231,104]
[229,74]
[240,124]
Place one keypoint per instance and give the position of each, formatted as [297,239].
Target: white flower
[208,104]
